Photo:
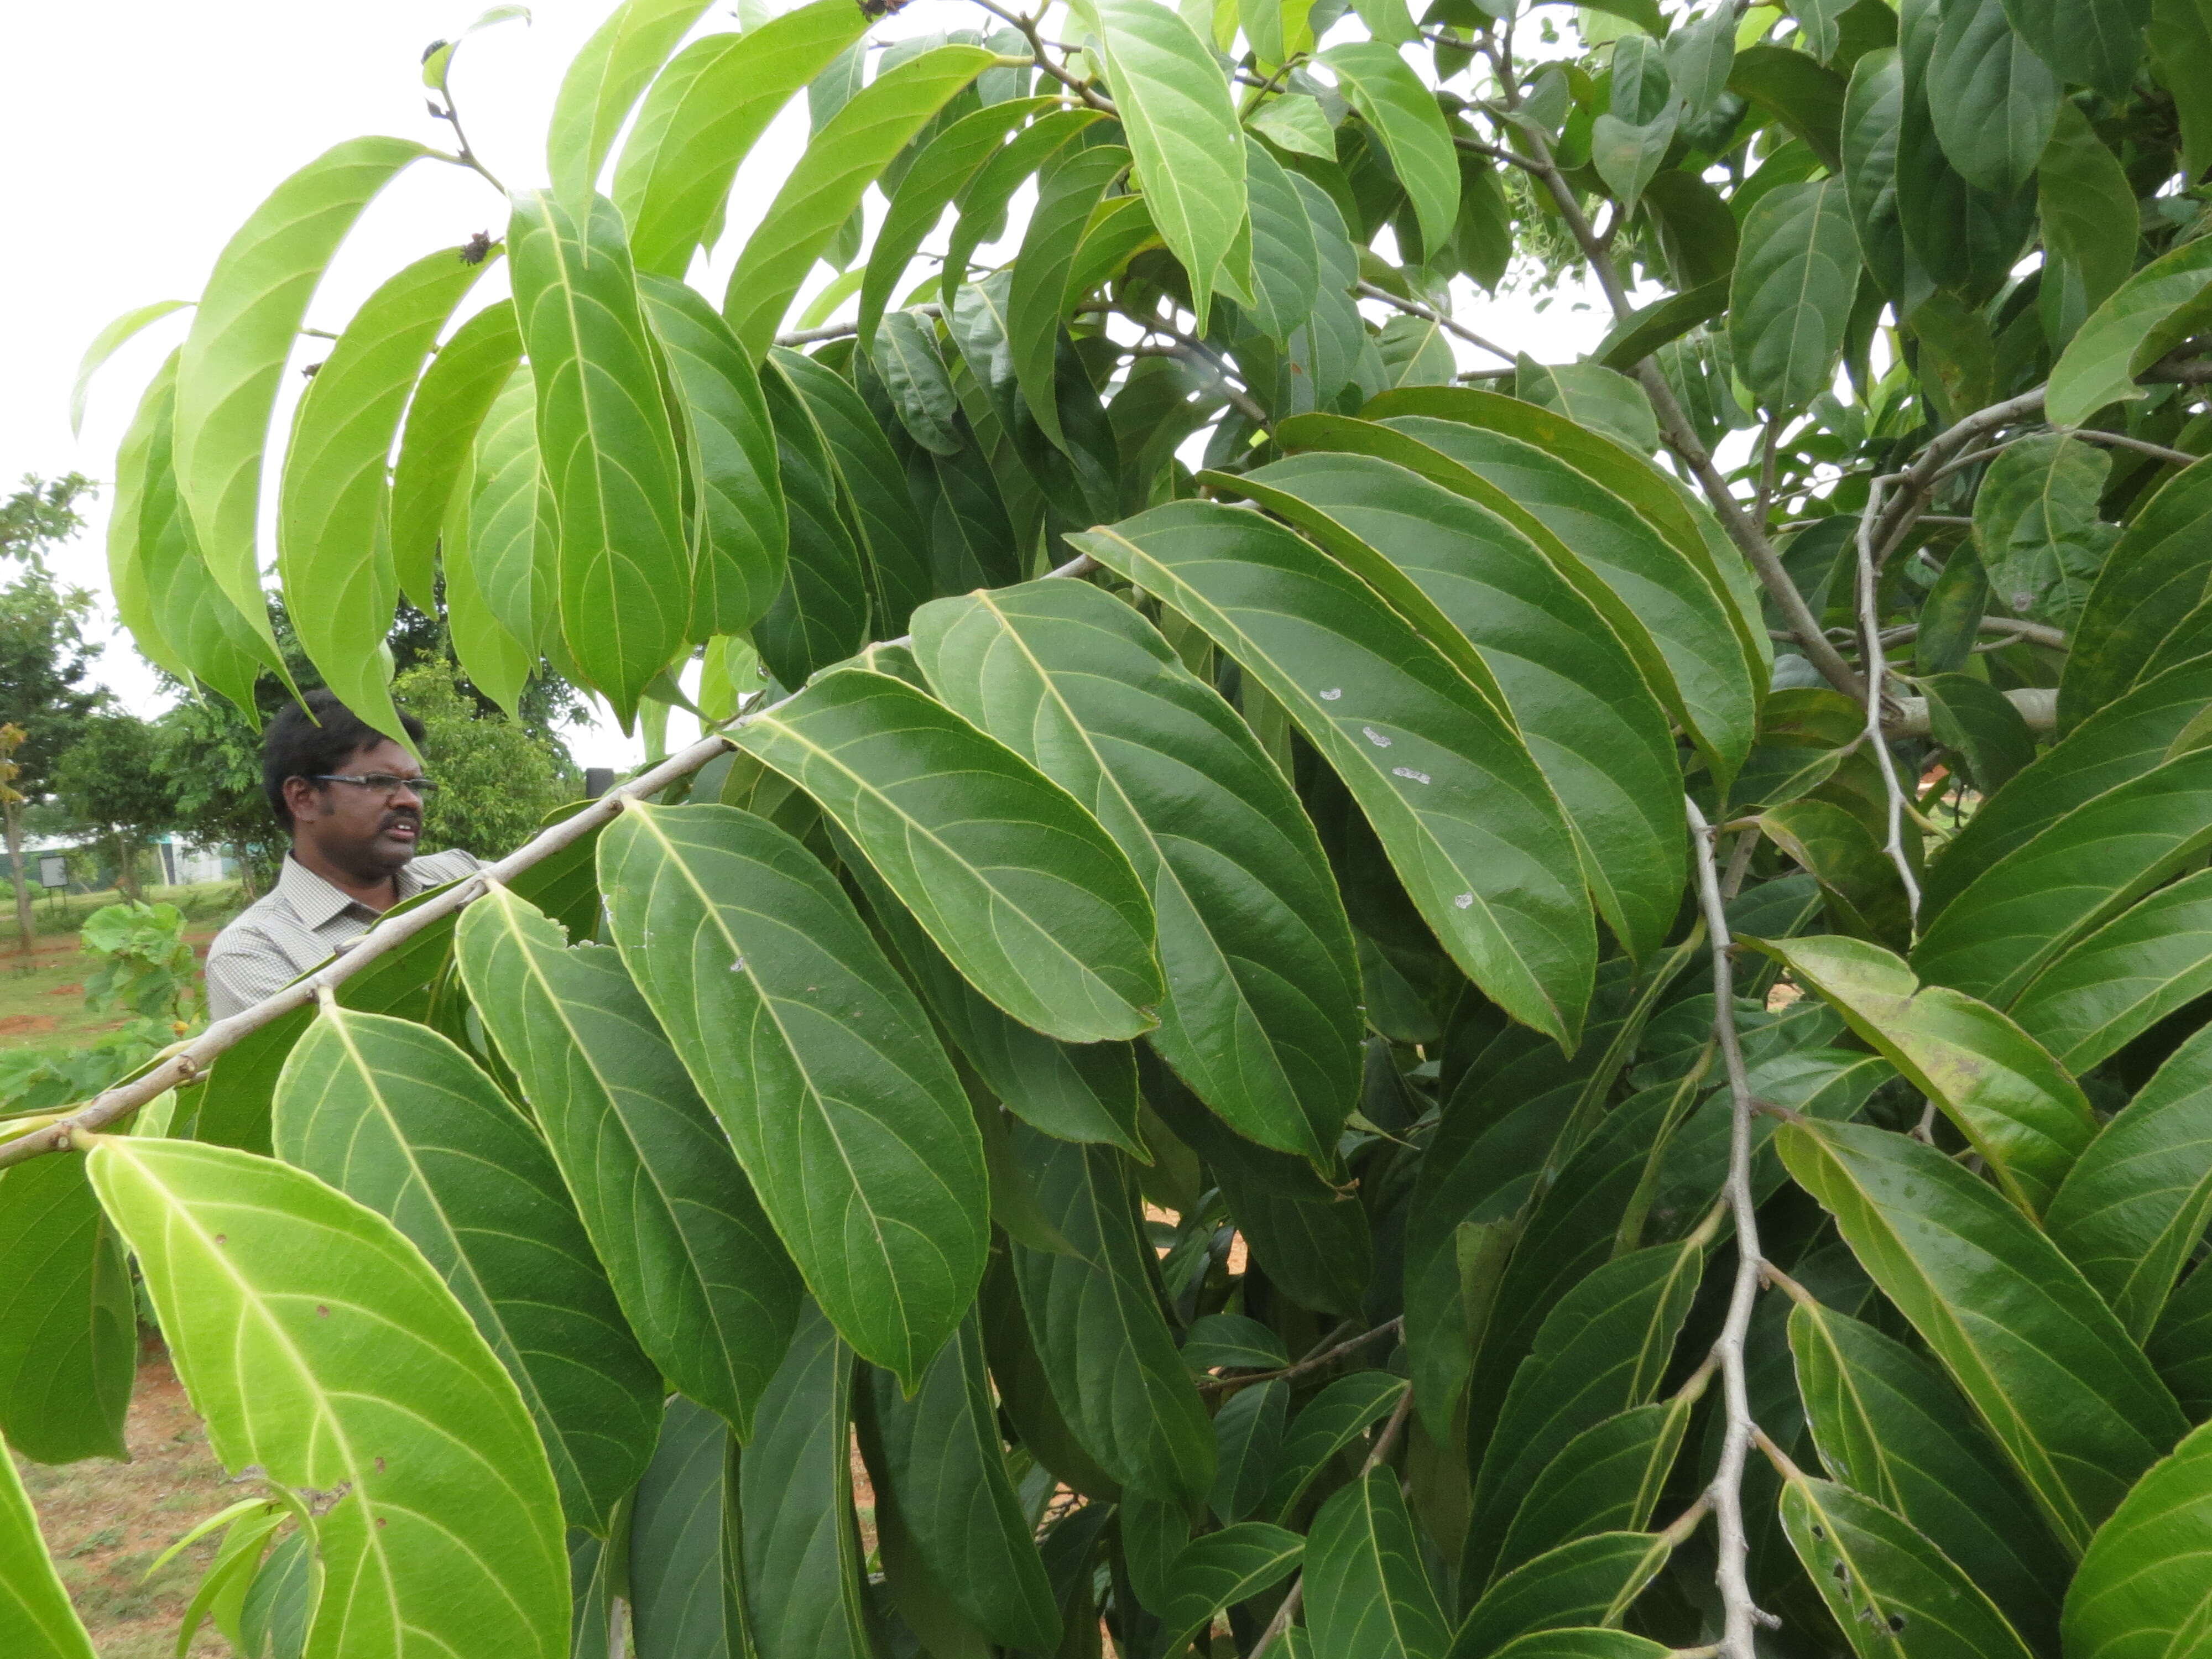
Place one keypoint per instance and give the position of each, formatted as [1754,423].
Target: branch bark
[1874,663]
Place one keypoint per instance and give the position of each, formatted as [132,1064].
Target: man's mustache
[401,815]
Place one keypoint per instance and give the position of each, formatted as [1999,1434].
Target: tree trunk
[25,941]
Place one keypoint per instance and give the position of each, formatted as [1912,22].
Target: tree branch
[1876,669]
[1029,28]
[1430,313]
[1312,1363]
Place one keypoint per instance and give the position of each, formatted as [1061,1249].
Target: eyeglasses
[384,783]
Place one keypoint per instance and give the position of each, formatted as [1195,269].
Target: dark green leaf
[1331,1422]
[2153,578]
[921,390]
[2147,316]
[1069,186]
[1247,1436]
[2181,49]
[1367,1596]
[2090,226]
[1233,1342]
[1219,1569]
[683,1542]
[1872,109]
[2096,43]
[1795,91]
[1791,292]
[1865,896]
[1589,1582]
[69,1326]
[2140,1587]
[1403,113]
[1606,1478]
[1642,332]
[1993,99]
[2118,982]
[821,613]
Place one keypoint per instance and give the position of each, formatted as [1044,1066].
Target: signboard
[53,870]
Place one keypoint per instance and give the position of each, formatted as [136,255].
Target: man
[352,798]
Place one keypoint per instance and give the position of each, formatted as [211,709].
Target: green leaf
[1220,1569]
[105,344]
[499,593]
[2036,527]
[320,1346]
[937,1459]
[821,614]
[1018,885]
[1111,1364]
[333,526]
[1367,1596]
[2141,1589]
[1890,1427]
[241,337]
[1981,727]
[397,1118]
[1602,1349]
[1993,99]
[921,389]
[1795,90]
[68,1327]
[2118,982]
[1642,331]
[984,194]
[2001,1087]
[601,87]
[1285,254]
[1888,1590]
[848,1119]
[2181,50]
[36,1618]
[693,1260]
[2137,1202]
[1248,1435]
[739,531]
[703,116]
[451,402]
[946,167]
[2088,207]
[1627,155]
[1593,396]
[2023,910]
[1233,1341]
[1586,1583]
[622,563]
[2147,316]
[1458,572]
[825,185]
[1865,896]
[2049,1370]
[803,1575]
[2096,43]
[1872,109]
[1403,112]
[1331,1422]
[141,487]
[1588,1643]
[1606,1478]
[1792,292]
[1068,187]
[2151,580]
[1261,1014]
[681,1537]
[1295,121]
[1181,125]
[1484,854]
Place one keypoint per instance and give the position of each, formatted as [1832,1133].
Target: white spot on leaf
[1332,694]
[1374,737]
[1408,772]
[1464,901]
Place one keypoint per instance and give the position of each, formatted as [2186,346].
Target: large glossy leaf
[1872,109]
[2133,1210]
[1795,91]
[1460,573]
[1368,1596]
[2090,227]
[1865,896]
[696,1267]
[1588,1583]
[1330,1423]
[1606,1478]
[2147,316]
[2036,524]
[1248,1434]
[611,466]
[1602,1350]
[2023,910]
[451,402]
[739,530]
[1183,133]
[1792,292]
[985,193]
[333,526]
[2052,1374]
[242,335]
[1221,1569]
[1285,254]
[820,1065]
[916,380]
[1993,99]
[36,1618]
[601,85]
[821,614]
[1890,1427]
[1888,1590]
[396,1116]
[140,484]
[2121,980]
[105,344]
[2141,1588]
[2096,42]
[823,189]
[69,1326]
[1403,112]
[1467,819]
[1014,881]
[1109,1361]
[703,114]
[1068,189]
[937,1459]
[2016,1104]
[320,1346]
[2153,577]
[803,1572]
[682,1601]
[498,568]
[1260,1016]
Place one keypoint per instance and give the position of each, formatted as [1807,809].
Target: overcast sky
[138,135]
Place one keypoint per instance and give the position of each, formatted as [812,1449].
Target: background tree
[497,777]
[115,780]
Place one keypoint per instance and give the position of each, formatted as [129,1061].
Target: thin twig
[1876,669]
[1029,28]
[1430,313]
[1214,1384]
[2122,441]
[1739,1613]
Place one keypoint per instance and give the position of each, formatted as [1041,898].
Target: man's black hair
[316,740]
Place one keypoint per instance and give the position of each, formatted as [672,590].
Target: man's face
[365,831]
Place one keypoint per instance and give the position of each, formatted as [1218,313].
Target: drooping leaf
[2036,527]
[845,1114]
[451,402]
[2095,42]
[1864,894]
[681,1540]
[1368,1594]
[2118,982]
[145,486]
[1606,1478]
[1260,1016]
[1806,97]
[1585,1584]
[1329,1423]
[2141,1589]
[1485,854]
[1993,99]
[398,1118]
[105,344]
[2147,316]
[702,117]
[1248,1434]
[693,1260]
[1403,113]
[2090,223]
[320,1346]
[36,1618]
[2044,1362]
[984,193]
[1013,879]
[821,614]
[498,590]
[1872,111]
[2180,38]
[1792,291]
[621,563]
[243,333]
[821,191]
[921,389]
[2018,1107]
[601,85]
[1221,1569]
[2153,578]
[1183,136]
[68,1350]
[1069,187]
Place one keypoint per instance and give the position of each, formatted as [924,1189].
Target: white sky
[138,134]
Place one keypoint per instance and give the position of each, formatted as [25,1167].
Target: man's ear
[302,797]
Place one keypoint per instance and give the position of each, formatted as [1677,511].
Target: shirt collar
[313,900]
